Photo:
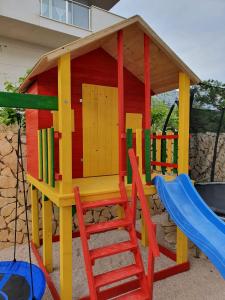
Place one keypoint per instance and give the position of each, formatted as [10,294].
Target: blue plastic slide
[196,220]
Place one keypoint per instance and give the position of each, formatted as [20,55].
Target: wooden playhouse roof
[165,64]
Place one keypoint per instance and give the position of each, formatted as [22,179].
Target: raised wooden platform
[91,188]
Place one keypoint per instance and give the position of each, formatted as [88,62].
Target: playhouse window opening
[69,12]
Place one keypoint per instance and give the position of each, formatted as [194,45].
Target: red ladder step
[134,295]
[100,203]
[117,275]
[105,226]
[112,250]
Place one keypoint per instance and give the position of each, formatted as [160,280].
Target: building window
[45,8]
[59,10]
[78,15]
[67,12]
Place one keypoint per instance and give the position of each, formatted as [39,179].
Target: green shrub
[8,116]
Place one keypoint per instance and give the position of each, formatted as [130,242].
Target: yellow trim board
[133,121]
[91,189]
[100,130]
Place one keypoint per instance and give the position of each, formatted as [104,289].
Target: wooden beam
[184,116]
[65,224]
[64,121]
[65,165]
[45,155]
[147,82]
[35,216]
[15,100]
[40,155]
[51,157]
[120,102]
[147,79]
[47,233]
[183,152]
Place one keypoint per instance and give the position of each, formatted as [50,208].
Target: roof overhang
[104,4]
[164,63]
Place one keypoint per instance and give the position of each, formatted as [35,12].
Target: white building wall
[16,58]
[101,18]
[29,11]
[23,10]
[25,35]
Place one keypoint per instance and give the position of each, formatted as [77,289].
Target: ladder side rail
[83,235]
[144,204]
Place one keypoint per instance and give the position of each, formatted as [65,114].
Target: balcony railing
[68,12]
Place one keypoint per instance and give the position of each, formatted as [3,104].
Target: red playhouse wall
[35,119]
[96,67]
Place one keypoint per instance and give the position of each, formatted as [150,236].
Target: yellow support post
[183,152]
[35,216]
[169,151]
[45,154]
[49,155]
[65,224]
[64,119]
[65,165]
[55,115]
[47,233]
[120,212]
[139,149]
[144,231]
[158,150]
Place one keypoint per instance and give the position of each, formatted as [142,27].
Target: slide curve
[196,220]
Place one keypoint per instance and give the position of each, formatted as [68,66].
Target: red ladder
[142,289]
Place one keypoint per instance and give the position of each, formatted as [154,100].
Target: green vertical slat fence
[45,154]
[40,165]
[52,155]
[148,155]
[163,154]
[129,143]
[175,153]
[154,150]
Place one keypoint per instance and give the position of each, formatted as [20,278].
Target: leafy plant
[8,116]
[209,94]
[159,112]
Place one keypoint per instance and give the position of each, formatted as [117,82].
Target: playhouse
[86,128]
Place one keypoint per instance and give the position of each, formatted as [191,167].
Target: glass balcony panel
[59,10]
[70,12]
[80,16]
[45,8]
[67,12]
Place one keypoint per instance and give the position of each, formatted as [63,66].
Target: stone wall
[110,212]
[201,156]
[8,167]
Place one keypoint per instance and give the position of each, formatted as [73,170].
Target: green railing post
[52,157]
[175,152]
[45,155]
[154,150]
[148,155]
[40,155]
[129,143]
[163,154]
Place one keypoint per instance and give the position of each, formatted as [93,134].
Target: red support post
[120,103]
[147,109]
[147,82]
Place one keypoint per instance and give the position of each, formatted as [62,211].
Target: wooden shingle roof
[165,64]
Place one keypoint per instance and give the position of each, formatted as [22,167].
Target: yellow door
[100,130]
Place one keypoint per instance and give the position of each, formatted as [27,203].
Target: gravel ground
[201,282]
